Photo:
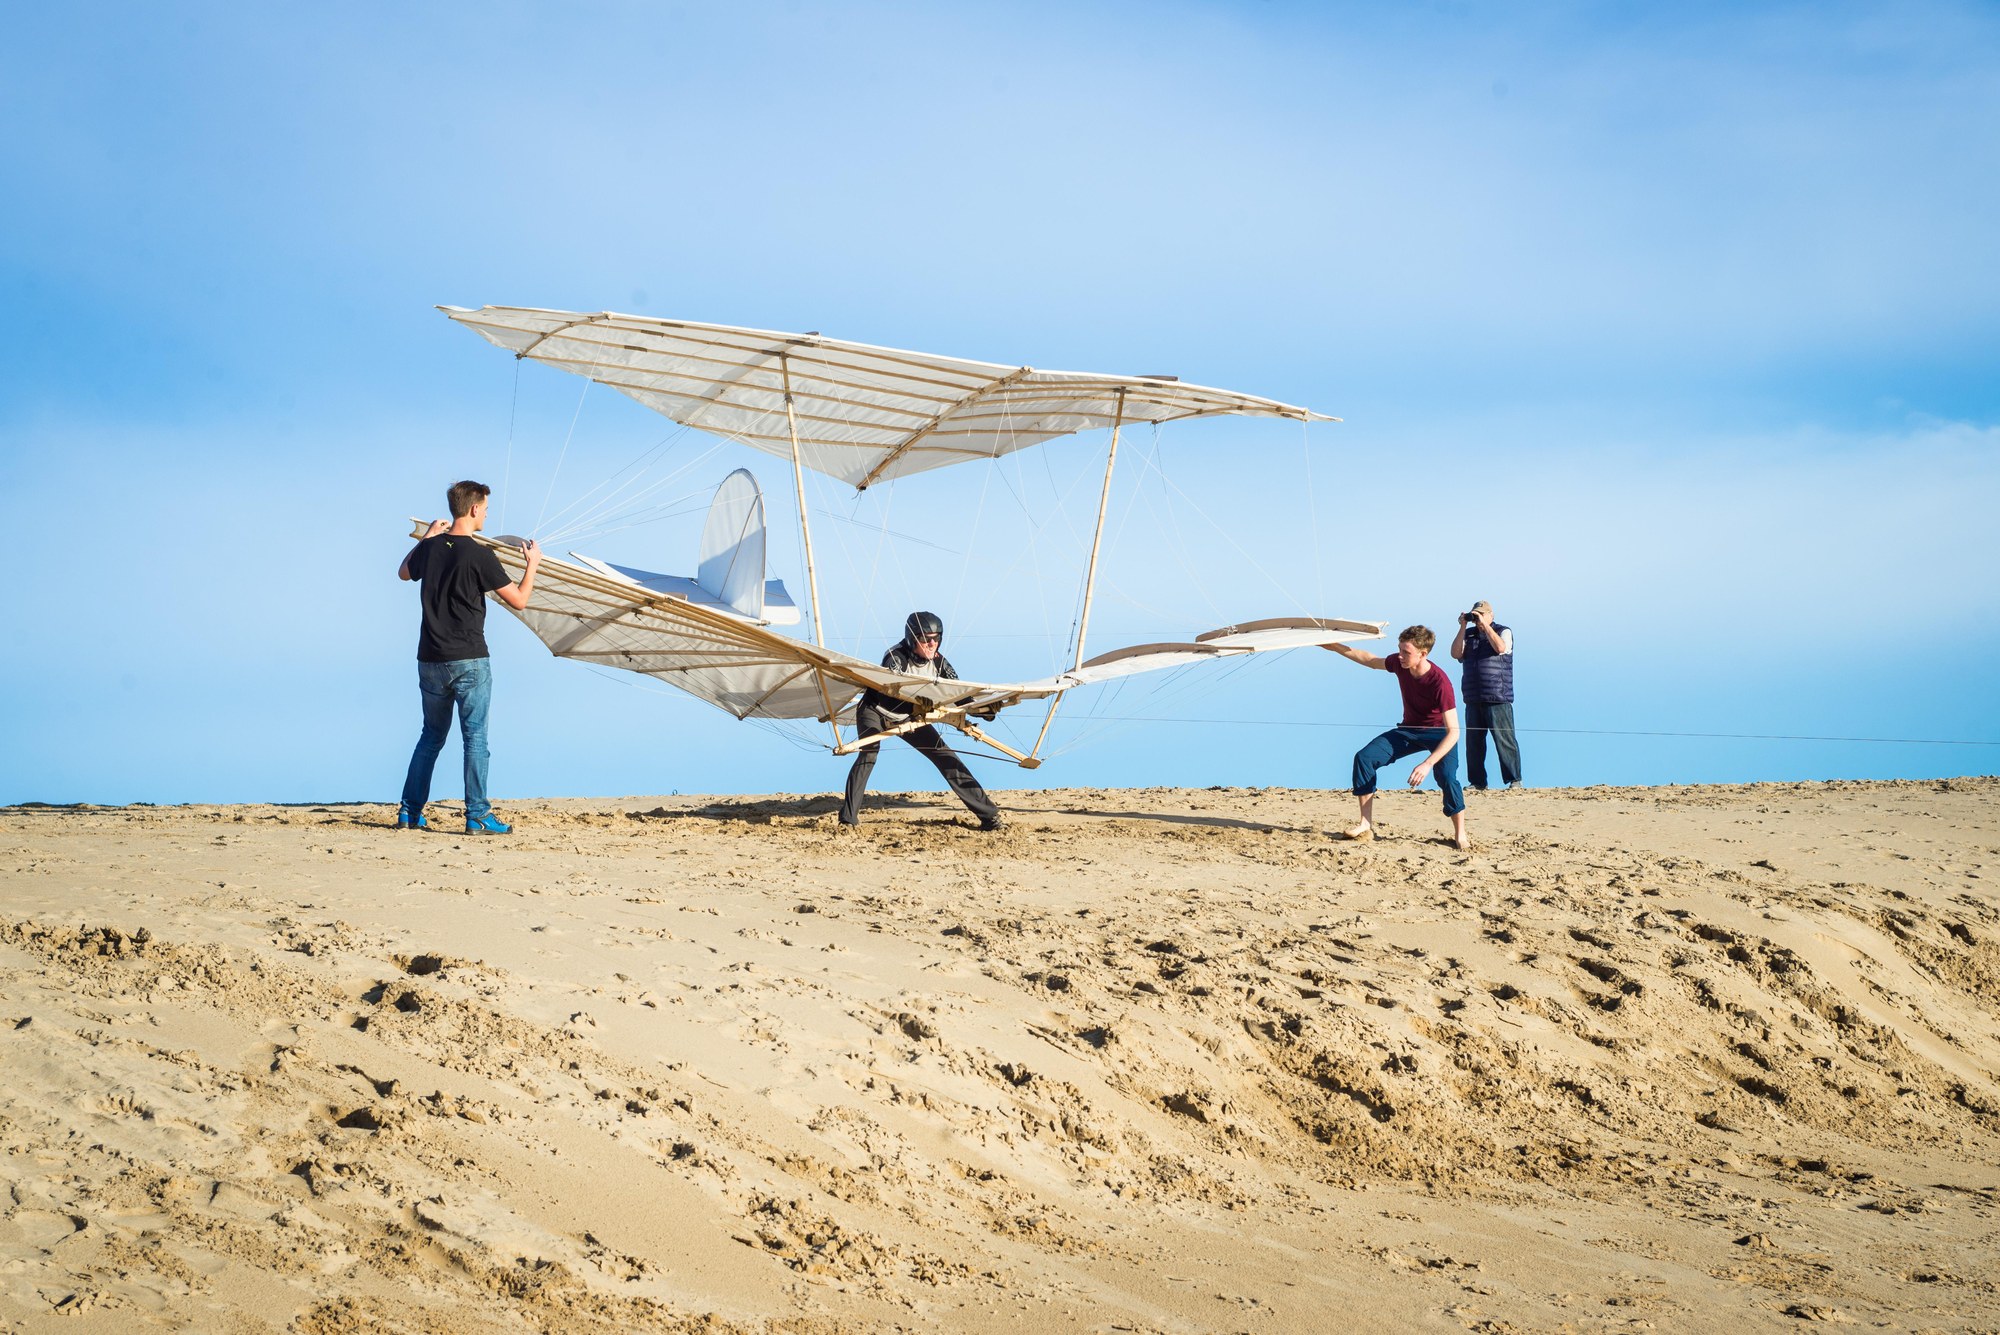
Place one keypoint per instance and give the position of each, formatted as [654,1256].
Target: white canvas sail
[603,616]
[862,414]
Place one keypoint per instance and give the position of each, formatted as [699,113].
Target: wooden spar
[805,525]
[1090,573]
[1097,538]
[1026,762]
[893,730]
[910,441]
[826,698]
[950,720]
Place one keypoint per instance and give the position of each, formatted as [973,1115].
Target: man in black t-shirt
[454,575]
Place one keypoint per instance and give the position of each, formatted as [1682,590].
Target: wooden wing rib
[864,413]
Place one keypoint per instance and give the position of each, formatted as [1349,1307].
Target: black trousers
[934,749]
[1498,720]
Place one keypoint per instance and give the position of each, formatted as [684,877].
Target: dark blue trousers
[1497,719]
[1396,743]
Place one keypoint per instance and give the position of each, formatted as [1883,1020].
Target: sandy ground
[1157,1060]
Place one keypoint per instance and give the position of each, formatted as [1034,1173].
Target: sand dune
[1151,1060]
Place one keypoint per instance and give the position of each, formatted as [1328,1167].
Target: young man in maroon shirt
[1430,723]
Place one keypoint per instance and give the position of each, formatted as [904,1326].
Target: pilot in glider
[860,415]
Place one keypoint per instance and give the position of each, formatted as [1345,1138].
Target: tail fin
[732,545]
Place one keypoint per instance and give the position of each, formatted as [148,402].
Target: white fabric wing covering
[1289,633]
[603,616]
[750,672]
[863,414]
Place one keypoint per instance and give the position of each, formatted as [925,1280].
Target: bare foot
[1464,842]
[1359,834]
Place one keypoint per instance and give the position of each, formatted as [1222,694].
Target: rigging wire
[675,509]
[978,516]
[781,727]
[846,558]
[1579,732]
[1302,608]
[1035,558]
[507,477]
[1157,461]
[1030,550]
[1173,686]
[587,383]
[619,483]
[1312,513]
[636,509]
[881,541]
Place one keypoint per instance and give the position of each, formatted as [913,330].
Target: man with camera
[1486,648]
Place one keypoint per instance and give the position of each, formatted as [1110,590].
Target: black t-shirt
[454,575]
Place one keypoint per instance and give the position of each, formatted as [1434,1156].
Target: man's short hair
[464,495]
[1418,635]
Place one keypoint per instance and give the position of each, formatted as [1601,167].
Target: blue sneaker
[405,821]
[488,825]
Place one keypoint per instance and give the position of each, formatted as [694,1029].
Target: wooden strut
[950,720]
[806,533]
[1090,573]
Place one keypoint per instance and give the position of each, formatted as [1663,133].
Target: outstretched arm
[516,595]
[1353,655]
[1438,752]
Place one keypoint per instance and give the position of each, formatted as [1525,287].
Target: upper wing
[863,413]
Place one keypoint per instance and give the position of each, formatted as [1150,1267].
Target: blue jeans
[1399,742]
[468,684]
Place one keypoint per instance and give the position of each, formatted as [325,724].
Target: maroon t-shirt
[1425,698]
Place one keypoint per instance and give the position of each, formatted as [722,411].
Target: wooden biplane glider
[858,414]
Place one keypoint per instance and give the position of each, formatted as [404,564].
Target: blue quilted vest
[1489,677]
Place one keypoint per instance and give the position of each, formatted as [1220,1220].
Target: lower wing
[739,666]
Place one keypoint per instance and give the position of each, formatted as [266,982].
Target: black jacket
[902,658]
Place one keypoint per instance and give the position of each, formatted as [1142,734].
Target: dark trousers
[1399,742]
[934,749]
[1499,721]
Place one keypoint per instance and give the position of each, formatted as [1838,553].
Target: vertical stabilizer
[732,545]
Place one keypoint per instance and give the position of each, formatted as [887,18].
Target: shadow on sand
[764,810]
[1169,818]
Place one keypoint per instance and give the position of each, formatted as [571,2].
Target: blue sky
[1670,330]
